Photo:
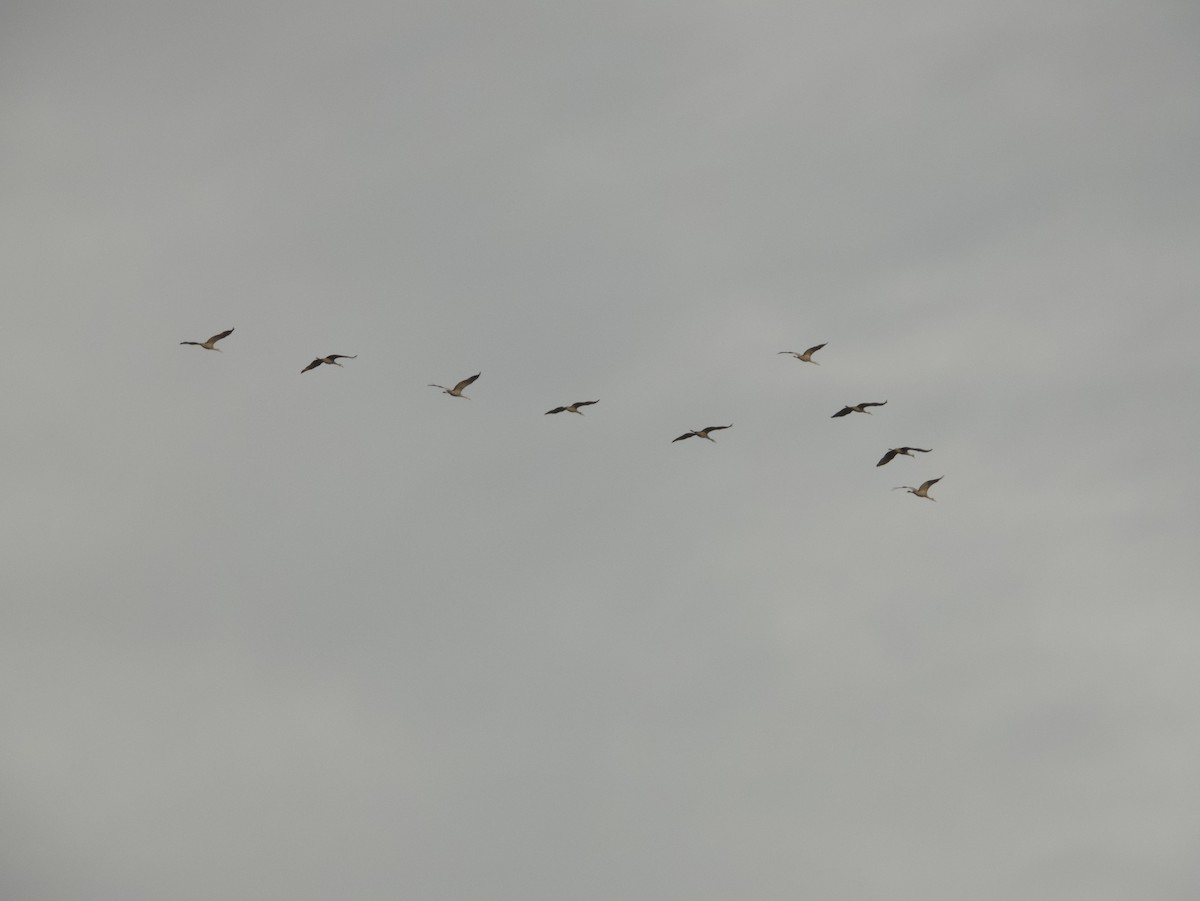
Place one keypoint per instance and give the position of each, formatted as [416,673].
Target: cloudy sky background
[339,635]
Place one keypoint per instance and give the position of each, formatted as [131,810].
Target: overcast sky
[338,635]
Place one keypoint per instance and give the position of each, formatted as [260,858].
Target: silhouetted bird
[702,433]
[457,390]
[923,491]
[332,360]
[572,408]
[857,408]
[807,355]
[210,344]
[903,451]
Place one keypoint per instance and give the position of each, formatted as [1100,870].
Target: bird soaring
[210,344]
[332,360]
[457,390]
[857,408]
[923,491]
[807,355]
[702,433]
[903,451]
[572,408]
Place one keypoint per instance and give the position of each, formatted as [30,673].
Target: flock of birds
[892,452]
[804,356]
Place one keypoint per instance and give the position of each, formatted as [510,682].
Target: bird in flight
[457,390]
[572,408]
[857,408]
[904,451]
[332,360]
[211,343]
[923,491]
[702,433]
[807,355]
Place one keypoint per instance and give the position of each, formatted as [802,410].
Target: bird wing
[215,338]
[792,352]
[332,357]
[871,404]
[842,412]
[684,435]
[555,410]
[717,428]
[313,365]
[466,382]
[920,450]
[813,350]
[584,403]
[925,486]
[887,458]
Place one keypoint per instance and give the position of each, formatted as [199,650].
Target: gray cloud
[338,634]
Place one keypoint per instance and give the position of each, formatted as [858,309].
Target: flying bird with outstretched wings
[211,343]
[702,433]
[923,491]
[806,356]
[902,451]
[457,390]
[331,360]
[572,408]
[857,408]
